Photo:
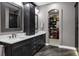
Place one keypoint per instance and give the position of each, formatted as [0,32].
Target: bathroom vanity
[11,21]
[23,46]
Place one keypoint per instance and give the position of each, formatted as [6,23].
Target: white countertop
[19,38]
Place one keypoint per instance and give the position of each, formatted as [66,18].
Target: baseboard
[62,46]
[46,44]
[67,47]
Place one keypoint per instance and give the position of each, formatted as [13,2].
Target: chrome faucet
[13,35]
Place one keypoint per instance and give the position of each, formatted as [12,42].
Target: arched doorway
[55,27]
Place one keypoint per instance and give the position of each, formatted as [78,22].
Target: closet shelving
[53,29]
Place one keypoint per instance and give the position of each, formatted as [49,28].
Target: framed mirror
[11,17]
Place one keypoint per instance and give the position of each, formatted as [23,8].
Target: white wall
[68,20]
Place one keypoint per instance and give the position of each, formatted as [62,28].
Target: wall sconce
[36,10]
[27,4]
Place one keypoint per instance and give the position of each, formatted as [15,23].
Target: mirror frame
[3,29]
[36,22]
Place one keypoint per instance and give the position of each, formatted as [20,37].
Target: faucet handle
[13,35]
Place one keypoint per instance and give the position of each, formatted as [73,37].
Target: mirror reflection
[12,16]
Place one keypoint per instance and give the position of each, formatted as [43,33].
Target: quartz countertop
[20,38]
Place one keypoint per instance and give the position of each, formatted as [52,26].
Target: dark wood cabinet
[37,43]
[23,49]
[29,18]
[28,47]
[76,25]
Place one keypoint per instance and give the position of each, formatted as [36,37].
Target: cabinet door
[34,45]
[76,25]
[29,19]
[26,19]
[37,43]
[32,19]
[23,49]
[42,40]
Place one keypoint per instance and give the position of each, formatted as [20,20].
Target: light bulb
[27,5]
[36,10]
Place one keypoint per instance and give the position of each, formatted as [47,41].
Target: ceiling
[37,3]
[41,3]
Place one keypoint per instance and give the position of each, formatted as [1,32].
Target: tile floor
[55,51]
[54,42]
